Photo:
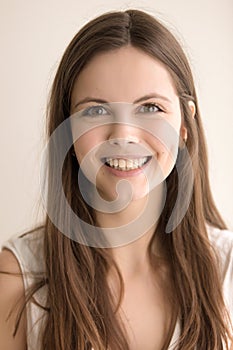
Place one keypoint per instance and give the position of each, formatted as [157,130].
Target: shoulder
[222,242]
[28,248]
[11,298]
[10,274]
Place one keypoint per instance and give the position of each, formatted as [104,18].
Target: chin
[124,191]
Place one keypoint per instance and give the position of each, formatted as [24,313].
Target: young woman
[133,253]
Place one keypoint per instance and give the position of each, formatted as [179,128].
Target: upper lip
[131,152]
[126,156]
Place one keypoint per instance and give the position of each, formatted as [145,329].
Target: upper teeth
[126,164]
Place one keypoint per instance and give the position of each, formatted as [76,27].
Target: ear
[183,130]
[183,133]
[192,107]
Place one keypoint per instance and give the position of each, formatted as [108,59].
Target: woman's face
[135,140]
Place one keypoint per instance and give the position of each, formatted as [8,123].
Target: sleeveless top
[28,249]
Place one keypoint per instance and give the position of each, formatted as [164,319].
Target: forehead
[123,75]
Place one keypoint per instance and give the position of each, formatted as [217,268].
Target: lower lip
[128,173]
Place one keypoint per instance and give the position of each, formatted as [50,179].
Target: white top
[29,252]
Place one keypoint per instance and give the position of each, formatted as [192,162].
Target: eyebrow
[143,98]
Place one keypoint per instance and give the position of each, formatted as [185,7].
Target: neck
[132,230]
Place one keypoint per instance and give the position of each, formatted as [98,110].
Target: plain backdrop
[34,35]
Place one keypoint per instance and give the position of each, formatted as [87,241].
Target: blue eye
[149,108]
[95,111]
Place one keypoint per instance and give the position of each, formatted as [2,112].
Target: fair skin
[112,77]
[11,289]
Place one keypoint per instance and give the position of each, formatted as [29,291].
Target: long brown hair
[81,311]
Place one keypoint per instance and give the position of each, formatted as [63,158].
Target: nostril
[132,139]
[123,141]
[113,141]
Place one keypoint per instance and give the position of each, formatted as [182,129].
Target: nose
[122,135]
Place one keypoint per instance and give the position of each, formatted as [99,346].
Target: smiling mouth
[126,164]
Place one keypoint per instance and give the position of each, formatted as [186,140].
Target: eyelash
[87,111]
[152,104]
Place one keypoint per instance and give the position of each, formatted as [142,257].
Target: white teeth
[126,164]
[121,163]
[140,162]
[129,164]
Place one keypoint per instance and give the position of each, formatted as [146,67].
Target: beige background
[34,35]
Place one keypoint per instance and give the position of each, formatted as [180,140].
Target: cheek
[164,136]
[85,143]
[164,139]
